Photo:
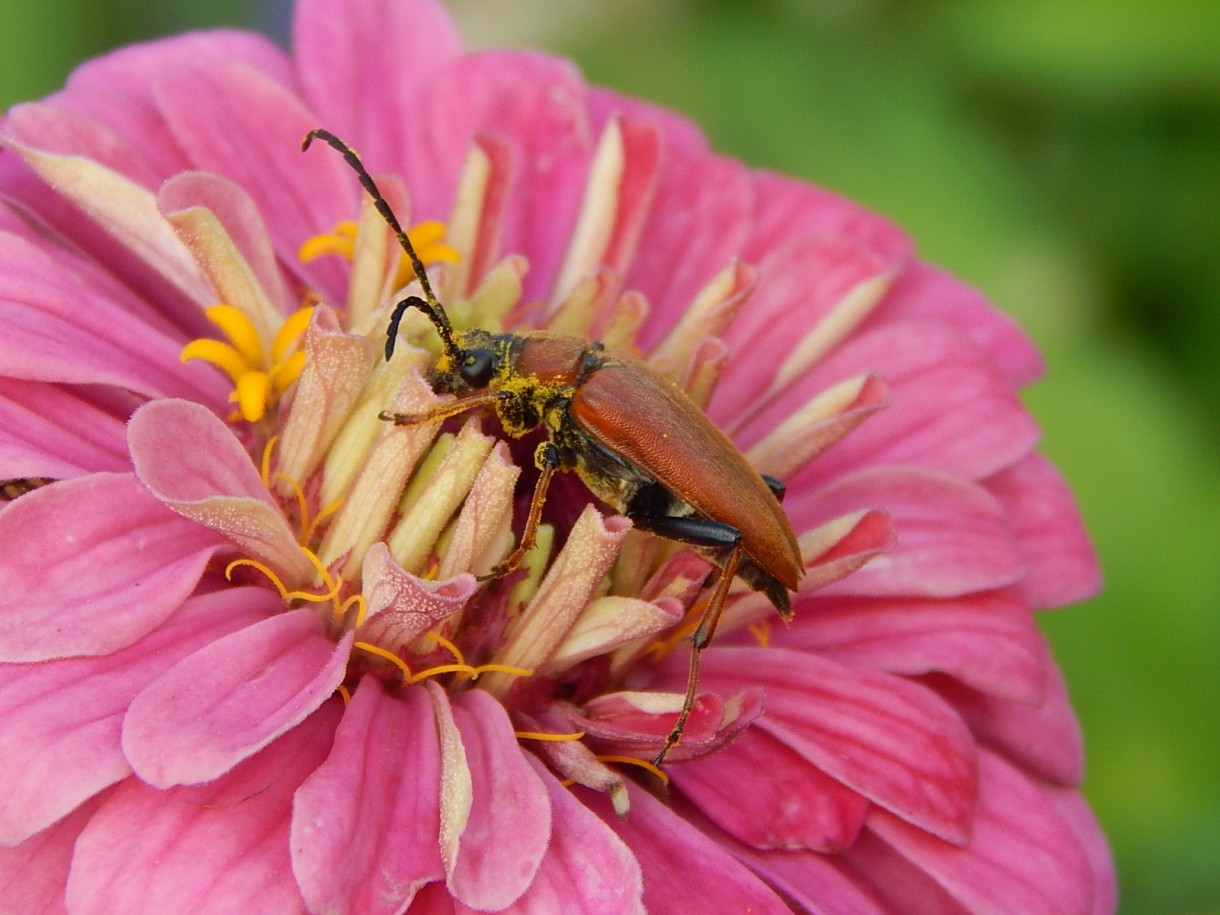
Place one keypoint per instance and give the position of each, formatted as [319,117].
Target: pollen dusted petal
[402,606]
[482,533]
[1021,855]
[190,461]
[509,827]
[571,581]
[224,703]
[587,870]
[232,277]
[336,377]
[236,212]
[53,541]
[69,713]
[364,839]
[790,803]
[684,870]
[894,741]
[217,848]
[609,622]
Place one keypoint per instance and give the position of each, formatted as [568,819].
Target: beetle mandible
[630,434]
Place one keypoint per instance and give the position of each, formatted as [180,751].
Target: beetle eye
[477,367]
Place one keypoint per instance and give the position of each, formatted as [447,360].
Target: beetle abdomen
[649,422]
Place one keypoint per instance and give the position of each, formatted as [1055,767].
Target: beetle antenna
[429,304]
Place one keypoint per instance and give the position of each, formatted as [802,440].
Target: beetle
[631,435]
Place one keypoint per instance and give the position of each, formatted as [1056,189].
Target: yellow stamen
[361,613]
[240,330]
[265,464]
[762,632]
[221,355]
[389,656]
[632,761]
[271,576]
[542,735]
[442,669]
[285,373]
[324,513]
[341,240]
[250,395]
[447,645]
[302,505]
[503,669]
[343,693]
[290,332]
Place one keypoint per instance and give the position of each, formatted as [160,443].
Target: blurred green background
[1064,157]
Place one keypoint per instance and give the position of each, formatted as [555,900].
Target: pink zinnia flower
[248,662]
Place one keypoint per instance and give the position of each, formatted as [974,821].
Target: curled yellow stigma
[258,378]
[428,238]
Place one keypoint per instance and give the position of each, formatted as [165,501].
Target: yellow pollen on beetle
[259,378]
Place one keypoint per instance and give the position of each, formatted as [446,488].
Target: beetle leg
[777,486]
[441,410]
[700,639]
[546,458]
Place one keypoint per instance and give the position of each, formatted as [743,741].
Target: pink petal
[69,714]
[364,838]
[116,87]
[50,431]
[1074,809]
[949,408]
[787,209]
[216,848]
[509,825]
[311,193]
[588,870]
[537,104]
[343,61]
[796,805]
[893,741]
[684,870]
[54,541]
[952,535]
[61,328]
[987,641]
[1022,856]
[805,290]
[227,701]
[924,292]
[33,874]
[230,205]
[1043,737]
[191,461]
[822,883]
[1063,565]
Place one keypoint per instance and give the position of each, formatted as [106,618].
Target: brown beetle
[632,436]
